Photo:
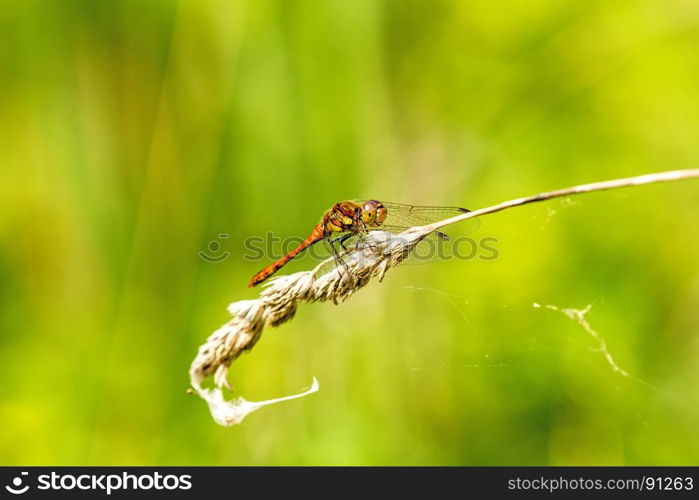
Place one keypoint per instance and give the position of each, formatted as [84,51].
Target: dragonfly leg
[340,263]
[341,240]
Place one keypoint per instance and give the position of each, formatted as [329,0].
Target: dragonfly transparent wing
[401,216]
[405,216]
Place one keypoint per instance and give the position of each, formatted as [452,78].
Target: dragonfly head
[373,213]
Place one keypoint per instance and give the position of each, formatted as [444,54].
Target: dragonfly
[351,220]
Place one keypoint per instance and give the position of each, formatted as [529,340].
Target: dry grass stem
[282,295]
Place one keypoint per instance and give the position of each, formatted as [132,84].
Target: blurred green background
[133,133]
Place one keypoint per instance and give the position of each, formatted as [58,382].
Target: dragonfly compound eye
[369,212]
[381,214]
[373,213]
[368,217]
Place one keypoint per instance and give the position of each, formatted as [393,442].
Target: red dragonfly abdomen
[316,235]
